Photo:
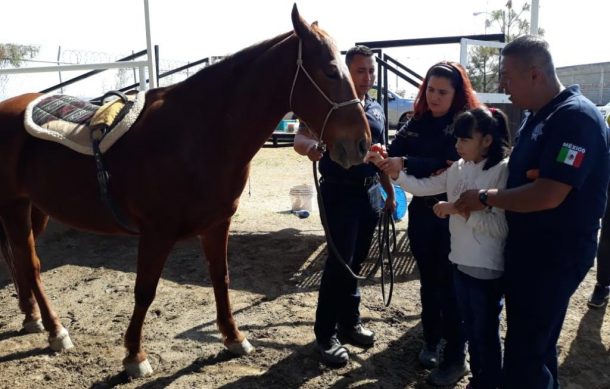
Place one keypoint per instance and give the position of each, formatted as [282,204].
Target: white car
[605,110]
[399,109]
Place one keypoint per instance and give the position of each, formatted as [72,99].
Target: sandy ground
[275,262]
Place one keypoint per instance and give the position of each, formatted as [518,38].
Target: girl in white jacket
[477,239]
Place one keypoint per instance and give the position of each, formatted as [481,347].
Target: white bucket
[301,197]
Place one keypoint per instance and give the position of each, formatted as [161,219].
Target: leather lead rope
[383,232]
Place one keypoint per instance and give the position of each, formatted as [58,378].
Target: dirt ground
[275,262]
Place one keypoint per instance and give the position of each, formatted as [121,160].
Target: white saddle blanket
[66,120]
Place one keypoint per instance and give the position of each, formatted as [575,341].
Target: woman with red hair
[422,147]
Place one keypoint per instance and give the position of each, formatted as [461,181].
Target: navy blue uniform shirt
[568,142]
[428,143]
[376,119]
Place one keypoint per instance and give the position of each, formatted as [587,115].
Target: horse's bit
[334,106]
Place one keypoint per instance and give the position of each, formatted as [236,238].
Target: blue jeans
[351,223]
[480,303]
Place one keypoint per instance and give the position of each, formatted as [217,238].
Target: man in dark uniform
[351,223]
[555,197]
[601,292]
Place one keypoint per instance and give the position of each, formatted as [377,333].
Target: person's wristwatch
[404,163]
[483,197]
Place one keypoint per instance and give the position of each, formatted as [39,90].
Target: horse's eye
[332,73]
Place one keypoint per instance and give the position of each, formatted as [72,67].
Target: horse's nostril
[362,147]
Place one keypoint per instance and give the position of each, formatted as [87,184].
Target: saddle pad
[66,120]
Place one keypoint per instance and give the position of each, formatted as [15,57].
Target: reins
[387,247]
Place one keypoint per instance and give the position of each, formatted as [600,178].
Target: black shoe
[446,375]
[332,353]
[358,336]
[428,356]
[599,297]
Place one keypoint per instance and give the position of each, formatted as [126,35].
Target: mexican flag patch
[571,154]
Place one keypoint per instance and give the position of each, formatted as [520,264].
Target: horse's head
[323,95]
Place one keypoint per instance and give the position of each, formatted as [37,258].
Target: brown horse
[177,173]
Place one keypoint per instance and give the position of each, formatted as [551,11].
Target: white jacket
[478,241]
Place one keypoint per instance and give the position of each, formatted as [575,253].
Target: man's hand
[469,201]
[314,153]
[390,204]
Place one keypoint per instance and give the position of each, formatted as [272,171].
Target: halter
[334,106]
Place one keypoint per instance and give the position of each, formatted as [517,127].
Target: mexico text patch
[571,154]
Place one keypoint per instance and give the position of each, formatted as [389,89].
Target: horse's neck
[251,97]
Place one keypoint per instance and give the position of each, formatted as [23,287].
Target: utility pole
[534,18]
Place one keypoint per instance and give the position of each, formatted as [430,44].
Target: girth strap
[98,132]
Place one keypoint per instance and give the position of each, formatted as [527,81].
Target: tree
[14,55]
[483,68]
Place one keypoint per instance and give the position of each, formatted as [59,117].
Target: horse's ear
[301,28]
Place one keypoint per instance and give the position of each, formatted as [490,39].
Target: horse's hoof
[33,326]
[240,348]
[61,342]
[137,370]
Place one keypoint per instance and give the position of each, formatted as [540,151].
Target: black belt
[364,182]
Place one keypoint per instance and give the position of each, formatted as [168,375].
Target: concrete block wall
[594,80]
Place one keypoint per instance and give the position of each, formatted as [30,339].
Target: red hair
[464,98]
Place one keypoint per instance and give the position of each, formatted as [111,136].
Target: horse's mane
[323,35]
[251,53]
[241,57]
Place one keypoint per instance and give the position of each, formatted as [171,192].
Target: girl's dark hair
[485,121]
[464,98]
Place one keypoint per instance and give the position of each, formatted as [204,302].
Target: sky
[188,30]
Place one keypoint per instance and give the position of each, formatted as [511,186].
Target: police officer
[552,215]
[351,223]
[601,291]
[426,145]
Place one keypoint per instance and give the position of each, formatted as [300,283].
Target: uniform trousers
[430,245]
[351,223]
[603,251]
[539,281]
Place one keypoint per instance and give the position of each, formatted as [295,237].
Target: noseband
[334,106]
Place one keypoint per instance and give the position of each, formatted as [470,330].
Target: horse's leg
[152,254]
[215,241]
[27,302]
[21,250]
[32,322]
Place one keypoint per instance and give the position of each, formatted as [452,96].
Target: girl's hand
[443,209]
[390,166]
[379,148]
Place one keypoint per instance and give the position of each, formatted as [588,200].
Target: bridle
[334,106]
[384,220]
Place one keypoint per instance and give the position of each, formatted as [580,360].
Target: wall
[594,80]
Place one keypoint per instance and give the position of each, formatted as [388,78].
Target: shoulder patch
[571,154]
